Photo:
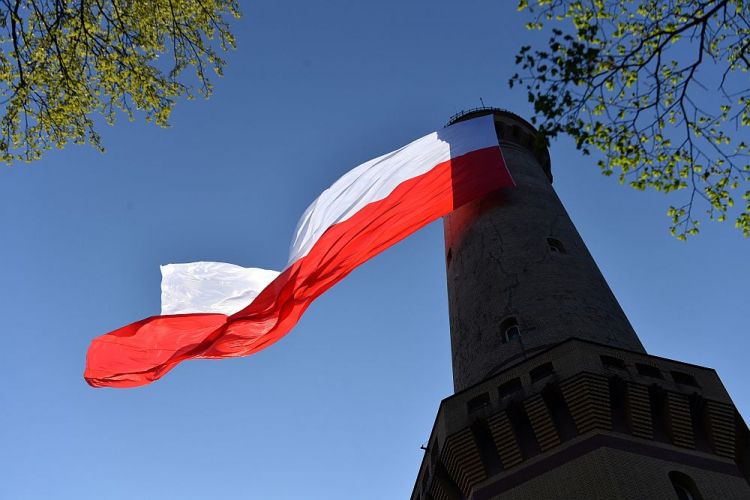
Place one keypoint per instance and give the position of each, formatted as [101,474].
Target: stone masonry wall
[500,265]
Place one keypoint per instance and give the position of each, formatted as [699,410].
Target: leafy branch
[622,78]
[63,61]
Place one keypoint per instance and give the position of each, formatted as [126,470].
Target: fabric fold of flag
[215,310]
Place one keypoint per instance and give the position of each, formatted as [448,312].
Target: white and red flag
[213,310]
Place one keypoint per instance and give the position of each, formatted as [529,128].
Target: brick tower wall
[500,265]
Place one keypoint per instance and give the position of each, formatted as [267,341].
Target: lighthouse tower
[555,396]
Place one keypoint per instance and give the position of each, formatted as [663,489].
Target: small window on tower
[684,486]
[478,402]
[541,372]
[649,371]
[510,330]
[555,245]
[684,379]
[509,387]
[611,362]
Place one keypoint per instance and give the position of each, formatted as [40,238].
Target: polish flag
[213,310]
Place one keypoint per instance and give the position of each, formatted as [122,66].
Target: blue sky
[343,403]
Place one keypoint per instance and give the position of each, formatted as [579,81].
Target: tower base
[583,420]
